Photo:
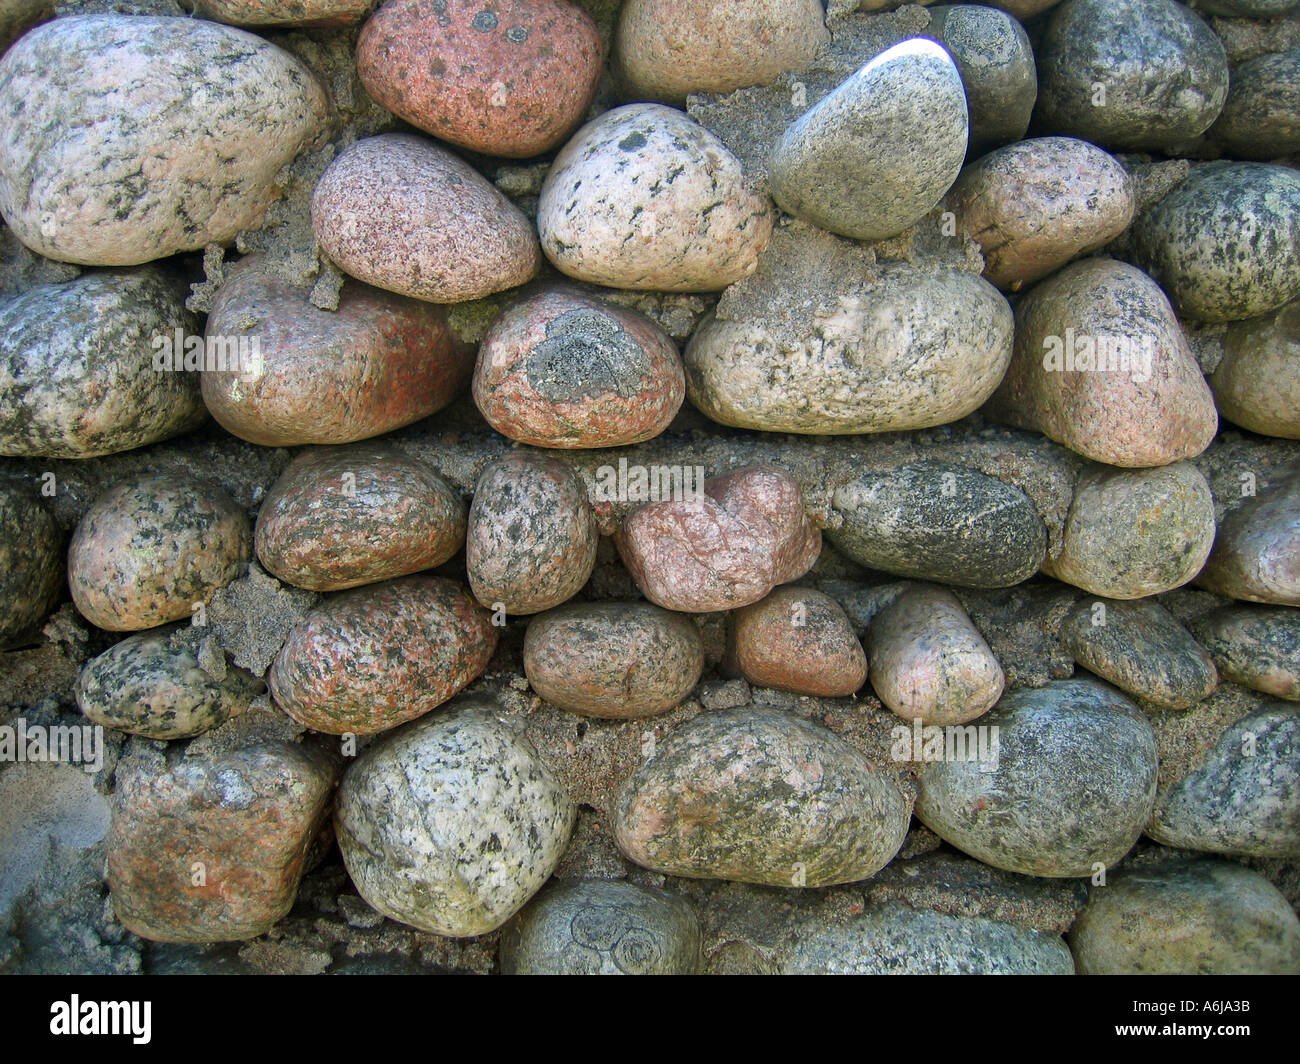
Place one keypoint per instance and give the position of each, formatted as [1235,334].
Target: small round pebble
[1257,381]
[31,564]
[643,197]
[602,927]
[1257,551]
[338,517]
[400,213]
[369,659]
[561,369]
[150,549]
[801,640]
[532,536]
[510,78]
[619,660]
[452,823]
[1256,646]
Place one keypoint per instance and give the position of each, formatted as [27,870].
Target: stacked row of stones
[829,322]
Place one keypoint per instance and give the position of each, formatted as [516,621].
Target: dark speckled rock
[452,823]
[1140,648]
[1256,646]
[372,658]
[1163,72]
[149,549]
[941,522]
[602,927]
[759,796]
[159,686]
[1248,8]
[532,535]
[1225,244]
[1073,784]
[31,564]
[342,516]
[79,372]
[1261,119]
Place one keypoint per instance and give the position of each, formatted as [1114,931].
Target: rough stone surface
[1073,785]
[942,522]
[759,796]
[1135,532]
[929,661]
[1225,244]
[602,927]
[644,197]
[452,823]
[613,659]
[31,564]
[1261,119]
[343,516]
[189,122]
[1257,550]
[1257,382]
[400,213]
[1189,917]
[306,375]
[561,369]
[801,640]
[532,537]
[747,533]
[298,13]
[1256,646]
[879,152]
[150,548]
[513,78]
[1036,204]
[372,658]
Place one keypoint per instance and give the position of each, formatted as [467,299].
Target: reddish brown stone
[613,659]
[274,13]
[532,535]
[210,847]
[377,363]
[728,549]
[797,639]
[405,215]
[343,516]
[372,658]
[561,369]
[504,77]
[149,549]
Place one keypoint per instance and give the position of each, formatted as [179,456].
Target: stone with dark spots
[996,63]
[941,522]
[86,366]
[342,516]
[31,564]
[209,845]
[561,369]
[1137,75]
[131,138]
[1071,787]
[801,640]
[1142,649]
[758,796]
[1035,205]
[747,533]
[156,685]
[1135,532]
[400,213]
[1225,244]
[152,549]
[1257,381]
[374,657]
[1188,917]
[613,659]
[532,536]
[1242,796]
[928,660]
[602,927]
[1101,365]
[305,375]
[511,80]
[675,214]
[1261,119]
[1256,646]
[878,153]
[309,13]
[1257,551]
[452,823]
